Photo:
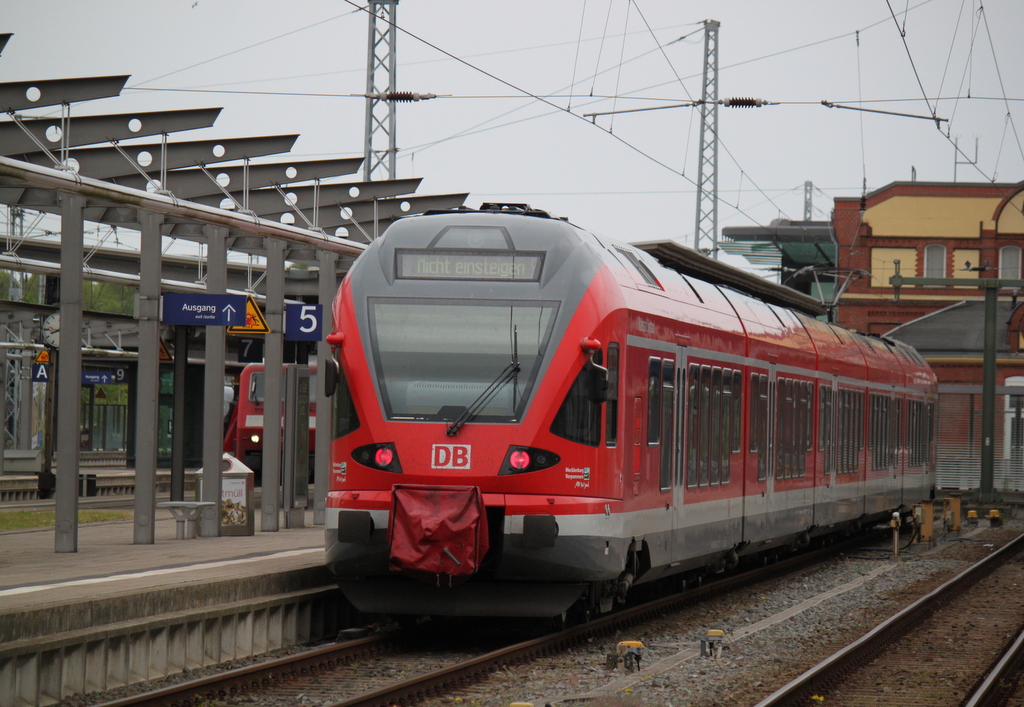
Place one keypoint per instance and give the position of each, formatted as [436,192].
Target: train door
[758,483]
[775,515]
[679,514]
[638,429]
[892,436]
[825,490]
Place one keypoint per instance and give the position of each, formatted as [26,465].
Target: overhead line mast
[379,151]
[705,232]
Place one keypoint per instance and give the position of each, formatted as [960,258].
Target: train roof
[681,259]
[690,262]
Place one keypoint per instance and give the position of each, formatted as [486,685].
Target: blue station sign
[303,322]
[105,377]
[203,310]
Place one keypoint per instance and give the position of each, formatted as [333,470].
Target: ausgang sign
[203,310]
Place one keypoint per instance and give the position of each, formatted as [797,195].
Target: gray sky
[524,137]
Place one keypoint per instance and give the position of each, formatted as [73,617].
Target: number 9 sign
[303,322]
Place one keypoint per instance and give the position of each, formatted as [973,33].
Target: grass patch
[20,520]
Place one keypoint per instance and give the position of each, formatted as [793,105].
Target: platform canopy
[687,261]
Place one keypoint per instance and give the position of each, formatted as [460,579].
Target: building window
[1009,262]
[935,260]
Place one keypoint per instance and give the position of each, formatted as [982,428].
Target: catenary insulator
[744,102]
[403,96]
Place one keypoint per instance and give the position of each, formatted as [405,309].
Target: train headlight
[255,439]
[382,457]
[521,460]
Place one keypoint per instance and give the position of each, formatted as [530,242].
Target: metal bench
[186,513]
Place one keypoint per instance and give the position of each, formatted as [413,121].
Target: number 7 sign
[303,322]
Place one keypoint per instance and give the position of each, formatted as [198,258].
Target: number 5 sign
[303,322]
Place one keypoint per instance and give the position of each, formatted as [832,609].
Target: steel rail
[822,675]
[998,684]
[447,678]
[168,205]
[196,692]
[253,677]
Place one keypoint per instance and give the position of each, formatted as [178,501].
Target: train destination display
[468,265]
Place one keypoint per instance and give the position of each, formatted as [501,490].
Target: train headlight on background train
[255,439]
[520,460]
[382,457]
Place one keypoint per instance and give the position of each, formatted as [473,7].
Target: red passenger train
[244,435]
[532,419]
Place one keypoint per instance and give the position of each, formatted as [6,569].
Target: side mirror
[332,372]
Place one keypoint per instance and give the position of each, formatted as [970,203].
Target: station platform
[116,613]
[108,563]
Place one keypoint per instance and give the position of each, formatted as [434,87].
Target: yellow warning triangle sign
[165,355]
[254,321]
[43,356]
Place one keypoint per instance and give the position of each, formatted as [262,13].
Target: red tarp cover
[437,530]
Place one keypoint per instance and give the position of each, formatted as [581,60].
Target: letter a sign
[40,373]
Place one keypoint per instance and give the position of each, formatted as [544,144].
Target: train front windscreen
[436,359]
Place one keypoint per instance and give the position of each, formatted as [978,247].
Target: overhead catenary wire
[572,95]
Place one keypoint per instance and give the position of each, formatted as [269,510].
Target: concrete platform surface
[108,563]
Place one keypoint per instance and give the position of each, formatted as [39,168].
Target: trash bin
[236,497]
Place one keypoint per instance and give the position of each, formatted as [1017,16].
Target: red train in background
[244,435]
[531,419]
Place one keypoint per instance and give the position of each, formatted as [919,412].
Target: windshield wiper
[510,373]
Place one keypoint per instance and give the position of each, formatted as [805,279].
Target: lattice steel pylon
[705,232]
[379,150]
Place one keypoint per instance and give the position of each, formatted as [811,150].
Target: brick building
[962,231]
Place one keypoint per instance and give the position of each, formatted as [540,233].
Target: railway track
[933,652]
[406,675]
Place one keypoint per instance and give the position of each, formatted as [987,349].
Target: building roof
[782,242]
[956,330]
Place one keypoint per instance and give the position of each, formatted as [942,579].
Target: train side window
[641,268]
[755,394]
[346,419]
[705,426]
[737,411]
[693,426]
[825,427]
[668,403]
[914,418]
[654,401]
[898,442]
[808,391]
[715,433]
[759,422]
[931,434]
[782,427]
[579,417]
[611,407]
[679,427]
[726,443]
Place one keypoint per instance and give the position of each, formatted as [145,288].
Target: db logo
[450,456]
